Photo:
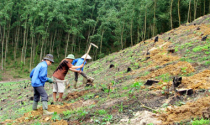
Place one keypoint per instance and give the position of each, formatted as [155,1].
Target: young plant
[55,117]
[66,113]
[200,122]
[121,108]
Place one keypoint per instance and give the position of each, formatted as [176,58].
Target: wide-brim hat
[49,57]
[70,56]
[88,56]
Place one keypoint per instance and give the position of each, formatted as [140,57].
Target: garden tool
[91,44]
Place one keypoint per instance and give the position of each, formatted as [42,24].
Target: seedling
[200,122]
[101,112]
[183,69]
[66,113]
[121,108]
[55,117]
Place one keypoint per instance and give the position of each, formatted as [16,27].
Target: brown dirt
[76,94]
[198,81]
[173,69]
[185,112]
[28,117]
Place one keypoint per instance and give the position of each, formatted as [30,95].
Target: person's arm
[74,70]
[76,67]
[43,75]
[32,72]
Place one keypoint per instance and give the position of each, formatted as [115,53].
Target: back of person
[62,69]
[78,62]
[39,74]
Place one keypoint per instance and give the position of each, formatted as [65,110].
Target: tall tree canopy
[33,28]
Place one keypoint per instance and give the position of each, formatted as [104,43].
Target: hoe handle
[86,56]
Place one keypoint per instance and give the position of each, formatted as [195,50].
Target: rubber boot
[35,105]
[45,107]
[75,84]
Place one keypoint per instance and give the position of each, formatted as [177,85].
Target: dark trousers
[40,91]
[76,75]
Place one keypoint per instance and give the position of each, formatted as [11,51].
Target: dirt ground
[148,60]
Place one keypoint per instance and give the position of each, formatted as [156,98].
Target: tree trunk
[67,44]
[24,40]
[40,57]
[153,33]
[2,49]
[131,29]
[189,12]
[16,42]
[204,7]
[53,43]
[7,40]
[195,8]
[179,12]
[102,34]
[26,43]
[145,24]
[73,44]
[32,44]
[171,14]
[122,34]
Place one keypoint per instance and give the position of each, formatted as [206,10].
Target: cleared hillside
[119,95]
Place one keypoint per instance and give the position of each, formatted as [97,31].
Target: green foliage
[200,48]
[137,85]
[55,117]
[82,113]
[107,118]
[66,113]
[89,96]
[101,112]
[121,107]
[207,63]
[125,88]
[184,69]
[200,122]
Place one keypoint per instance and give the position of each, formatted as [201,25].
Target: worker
[78,62]
[38,78]
[59,75]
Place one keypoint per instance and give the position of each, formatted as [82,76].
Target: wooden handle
[86,56]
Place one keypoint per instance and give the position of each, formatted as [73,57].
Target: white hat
[88,57]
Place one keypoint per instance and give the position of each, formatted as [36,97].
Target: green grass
[200,122]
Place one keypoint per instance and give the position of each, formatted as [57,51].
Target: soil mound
[185,112]
[76,94]
[198,81]
[173,69]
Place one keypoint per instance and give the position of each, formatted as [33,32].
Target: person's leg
[61,89]
[54,96]
[36,99]
[60,97]
[44,97]
[55,90]
[75,79]
[89,79]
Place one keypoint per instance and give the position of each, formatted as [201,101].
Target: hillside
[119,94]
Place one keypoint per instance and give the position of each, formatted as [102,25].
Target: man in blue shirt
[38,78]
[78,62]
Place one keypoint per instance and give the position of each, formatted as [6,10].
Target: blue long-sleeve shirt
[78,62]
[39,74]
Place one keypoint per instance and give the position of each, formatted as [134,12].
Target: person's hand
[50,80]
[79,71]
